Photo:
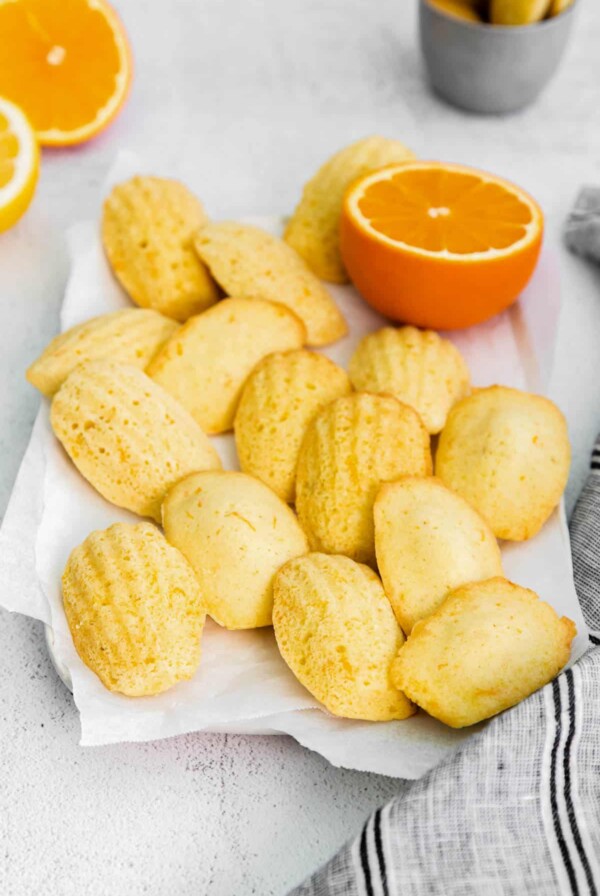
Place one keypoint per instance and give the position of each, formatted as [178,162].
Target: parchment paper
[242,684]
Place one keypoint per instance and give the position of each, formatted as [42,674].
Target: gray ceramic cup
[490,68]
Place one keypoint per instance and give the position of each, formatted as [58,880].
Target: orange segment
[19,163]
[69,67]
[439,245]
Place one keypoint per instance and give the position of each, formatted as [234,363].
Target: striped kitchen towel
[516,812]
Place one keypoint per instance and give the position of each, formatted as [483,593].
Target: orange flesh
[445,210]
[68,61]
[9,149]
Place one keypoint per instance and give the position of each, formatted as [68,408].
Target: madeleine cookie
[130,336]
[281,396]
[236,533]
[128,437]
[518,12]
[428,541]
[313,229]
[337,632]
[418,367]
[558,6]
[488,646]
[148,226]
[208,360]
[507,452]
[249,262]
[134,609]
[351,447]
[460,9]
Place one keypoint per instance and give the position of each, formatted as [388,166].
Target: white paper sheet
[242,684]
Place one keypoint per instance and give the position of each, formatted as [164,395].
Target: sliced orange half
[439,245]
[19,163]
[69,66]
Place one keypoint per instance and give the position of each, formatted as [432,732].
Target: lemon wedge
[19,163]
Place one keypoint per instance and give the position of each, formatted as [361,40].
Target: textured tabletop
[243,99]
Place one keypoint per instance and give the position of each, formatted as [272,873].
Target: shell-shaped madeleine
[337,632]
[128,437]
[236,533]
[488,646]
[249,262]
[428,541]
[313,229]
[280,398]
[148,225]
[130,336]
[461,9]
[518,12]
[206,363]
[558,6]
[418,367]
[134,608]
[351,447]
[507,452]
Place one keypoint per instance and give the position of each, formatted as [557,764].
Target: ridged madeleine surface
[351,447]
[313,229]
[148,225]
[134,608]
[208,360]
[558,6]
[488,646]
[507,452]
[236,533]
[128,437]
[518,12]
[249,262]
[131,336]
[428,541]
[281,396]
[337,632]
[418,367]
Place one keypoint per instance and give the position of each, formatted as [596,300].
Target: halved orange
[66,63]
[19,163]
[439,245]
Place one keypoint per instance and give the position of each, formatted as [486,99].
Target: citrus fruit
[439,245]
[19,163]
[69,65]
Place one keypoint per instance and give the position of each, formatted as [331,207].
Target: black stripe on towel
[379,848]
[364,861]
[553,796]
[568,797]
